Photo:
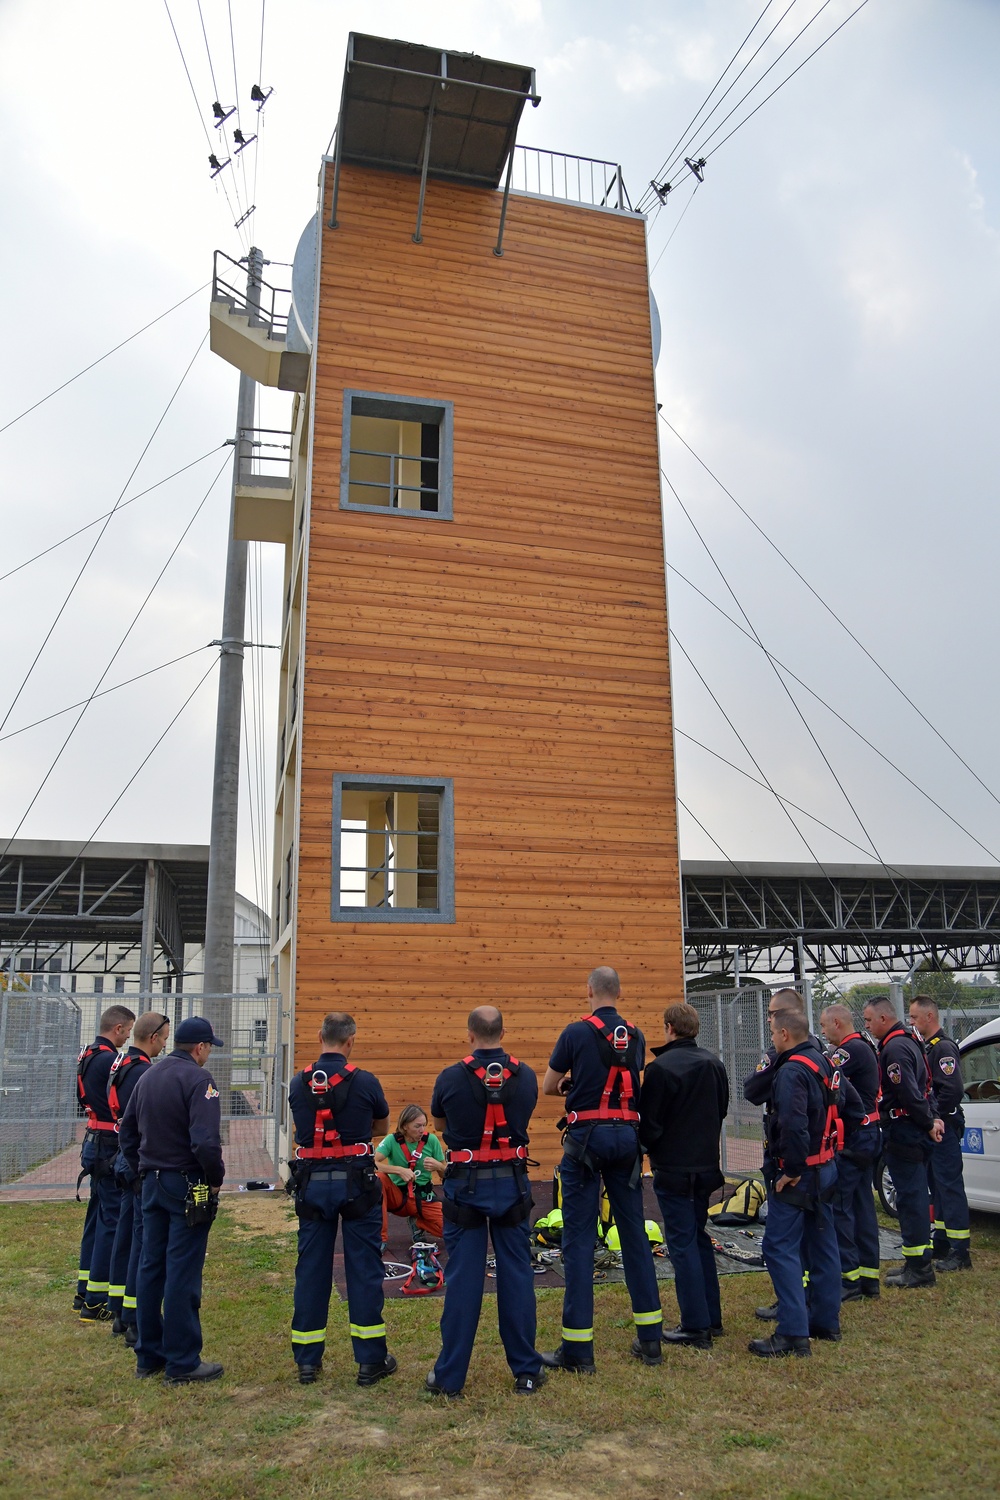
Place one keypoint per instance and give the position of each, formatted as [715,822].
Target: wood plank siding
[519,648]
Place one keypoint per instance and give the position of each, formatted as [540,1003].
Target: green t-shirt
[393,1153]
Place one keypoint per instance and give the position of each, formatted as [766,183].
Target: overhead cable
[104,527]
[93,365]
[710,837]
[838,716]
[115,511]
[832,612]
[128,631]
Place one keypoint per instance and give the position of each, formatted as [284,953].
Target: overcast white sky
[831,323]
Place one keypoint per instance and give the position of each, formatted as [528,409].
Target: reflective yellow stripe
[869,1271]
[851,1275]
[375,1331]
[805,1278]
[128,1302]
[97,1286]
[915,1249]
[309,1338]
[578,1335]
[959,1234]
[939,1224]
[82,1275]
[116,1291]
[642,1320]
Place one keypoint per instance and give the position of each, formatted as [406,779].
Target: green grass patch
[904,1408]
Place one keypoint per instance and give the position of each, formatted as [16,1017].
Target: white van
[981,1105]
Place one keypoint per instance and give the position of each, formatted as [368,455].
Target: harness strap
[619,1078]
[94,1122]
[119,1068]
[832,1138]
[496,1143]
[327,1145]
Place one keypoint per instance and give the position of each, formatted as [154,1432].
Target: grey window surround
[445,910]
[401,409]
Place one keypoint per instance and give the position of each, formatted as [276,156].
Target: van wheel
[886,1190]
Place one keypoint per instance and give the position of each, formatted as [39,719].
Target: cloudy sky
[831,323]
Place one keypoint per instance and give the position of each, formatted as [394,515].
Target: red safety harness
[618,1051]
[832,1139]
[83,1061]
[874,1117]
[119,1068]
[327,1145]
[493,1079]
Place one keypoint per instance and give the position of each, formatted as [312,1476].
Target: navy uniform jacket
[95,1079]
[173,1121]
[946,1073]
[130,1077]
[365,1102]
[799,1108]
[684,1100]
[757,1088]
[458,1102]
[905,1083]
[858,1064]
[578,1053]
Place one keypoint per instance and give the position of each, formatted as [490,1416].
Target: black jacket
[173,1121]
[682,1104]
[906,1083]
[946,1073]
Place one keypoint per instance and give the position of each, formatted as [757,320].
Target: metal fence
[575,179]
[40,1040]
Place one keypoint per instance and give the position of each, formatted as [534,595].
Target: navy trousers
[168,1286]
[947,1182]
[131,1275]
[613,1150]
[854,1207]
[796,1236]
[101,1222]
[326,1193]
[493,1191]
[696,1279]
[121,1248]
[908,1158]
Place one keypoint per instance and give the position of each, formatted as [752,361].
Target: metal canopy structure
[57,903]
[796,918]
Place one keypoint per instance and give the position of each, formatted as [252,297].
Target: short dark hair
[792,1021]
[604,982]
[148,1024]
[789,1000]
[337,1027]
[486,1023]
[881,1005]
[683,1018]
[926,1002]
[116,1015]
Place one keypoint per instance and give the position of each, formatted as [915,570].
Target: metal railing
[265,458]
[40,1038]
[575,179]
[229,286]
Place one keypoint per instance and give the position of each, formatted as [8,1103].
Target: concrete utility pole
[220,913]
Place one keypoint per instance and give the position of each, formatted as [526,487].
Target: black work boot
[692,1338]
[372,1374]
[529,1385]
[767,1314]
[778,1347]
[850,1291]
[870,1288]
[131,1335]
[955,1260]
[205,1370]
[648,1350]
[99,1313]
[309,1374]
[557,1361]
[913,1274]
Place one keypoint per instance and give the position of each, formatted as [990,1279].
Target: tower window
[393,849]
[397,455]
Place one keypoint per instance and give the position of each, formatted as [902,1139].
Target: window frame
[401,409]
[370,782]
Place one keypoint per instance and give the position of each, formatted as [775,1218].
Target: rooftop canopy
[403,102]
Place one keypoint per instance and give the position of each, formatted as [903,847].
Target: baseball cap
[196,1029]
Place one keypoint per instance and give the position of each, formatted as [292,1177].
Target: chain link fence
[41,1035]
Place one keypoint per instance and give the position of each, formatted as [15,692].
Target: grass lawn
[907,1406]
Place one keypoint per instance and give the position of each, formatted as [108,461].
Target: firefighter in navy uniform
[950,1230]
[100,1147]
[854,1198]
[596,1063]
[911,1126]
[482,1107]
[149,1035]
[802,1139]
[337,1108]
[171,1137]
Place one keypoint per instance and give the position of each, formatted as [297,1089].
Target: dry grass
[905,1407]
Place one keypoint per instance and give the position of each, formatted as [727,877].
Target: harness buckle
[493,1077]
[619,1039]
[319,1082]
[458,1156]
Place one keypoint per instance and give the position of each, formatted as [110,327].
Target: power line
[13,733]
[107,522]
[115,511]
[838,716]
[831,611]
[208,50]
[239,121]
[114,655]
[87,368]
[729,861]
[680,220]
[135,774]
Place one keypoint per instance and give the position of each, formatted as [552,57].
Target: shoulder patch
[840,1057]
[211,1093]
[895,1072]
[947,1066]
[764,1064]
